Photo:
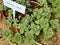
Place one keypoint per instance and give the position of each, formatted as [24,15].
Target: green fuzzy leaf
[29,37]
[57,15]
[37,21]
[18,38]
[43,22]
[35,28]
[6,33]
[55,24]
[48,33]
[9,18]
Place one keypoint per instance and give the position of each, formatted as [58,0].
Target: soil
[0,2]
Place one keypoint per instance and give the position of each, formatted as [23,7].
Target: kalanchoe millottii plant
[37,20]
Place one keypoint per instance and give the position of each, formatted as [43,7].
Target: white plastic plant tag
[15,6]
[14,14]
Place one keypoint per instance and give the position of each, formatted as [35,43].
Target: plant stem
[35,3]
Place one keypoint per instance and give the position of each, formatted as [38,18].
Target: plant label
[15,6]
[14,14]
